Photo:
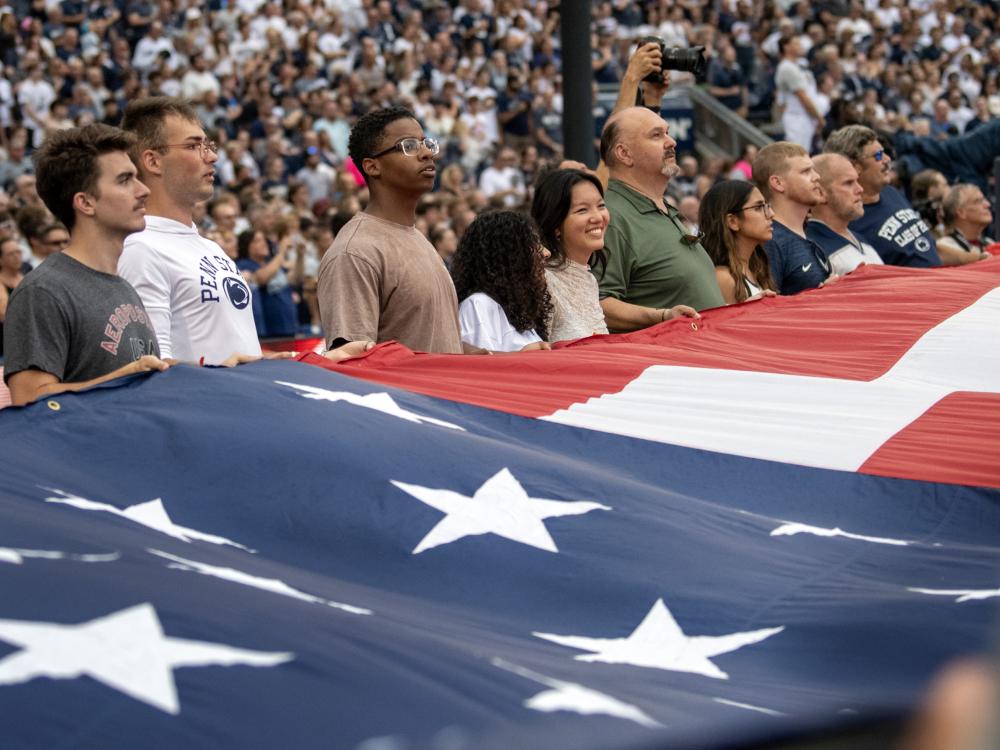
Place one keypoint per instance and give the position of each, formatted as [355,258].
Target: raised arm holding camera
[647,77]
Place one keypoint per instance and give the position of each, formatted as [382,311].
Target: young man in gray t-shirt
[73,322]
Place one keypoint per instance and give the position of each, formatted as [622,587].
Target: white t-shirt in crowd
[197,300]
[484,324]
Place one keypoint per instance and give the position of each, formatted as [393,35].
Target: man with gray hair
[889,223]
[967,215]
[828,222]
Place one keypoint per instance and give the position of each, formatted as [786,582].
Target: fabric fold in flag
[839,378]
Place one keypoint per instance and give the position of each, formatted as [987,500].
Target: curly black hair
[367,131]
[499,255]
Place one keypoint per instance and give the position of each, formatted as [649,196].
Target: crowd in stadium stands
[903,98]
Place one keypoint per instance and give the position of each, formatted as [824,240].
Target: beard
[670,169]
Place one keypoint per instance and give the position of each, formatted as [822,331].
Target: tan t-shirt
[385,282]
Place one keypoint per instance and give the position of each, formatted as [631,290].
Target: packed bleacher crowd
[315,134]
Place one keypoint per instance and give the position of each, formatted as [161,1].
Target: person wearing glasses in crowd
[196,297]
[50,237]
[381,279]
[786,178]
[653,263]
[967,216]
[736,222]
[829,222]
[889,223]
[198,301]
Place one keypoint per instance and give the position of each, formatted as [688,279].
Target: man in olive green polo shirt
[655,271]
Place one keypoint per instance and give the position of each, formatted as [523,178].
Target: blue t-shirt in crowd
[797,263]
[896,231]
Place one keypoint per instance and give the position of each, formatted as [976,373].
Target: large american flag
[784,513]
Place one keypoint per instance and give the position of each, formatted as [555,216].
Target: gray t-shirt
[74,322]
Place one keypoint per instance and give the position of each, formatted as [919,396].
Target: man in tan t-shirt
[382,279]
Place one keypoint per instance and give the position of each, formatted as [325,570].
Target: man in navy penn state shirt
[784,174]
[890,224]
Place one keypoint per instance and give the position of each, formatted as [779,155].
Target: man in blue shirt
[890,224]
[784,174]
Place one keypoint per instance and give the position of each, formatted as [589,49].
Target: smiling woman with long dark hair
[499,279]
[569,209]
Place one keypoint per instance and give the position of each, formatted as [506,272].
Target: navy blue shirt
[797,263]
[896,231]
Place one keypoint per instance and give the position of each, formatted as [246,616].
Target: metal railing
[718,130]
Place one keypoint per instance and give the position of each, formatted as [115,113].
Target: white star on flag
[659,643]
[570,696]
[151,514]
[272,585]
[382,402]
[500,506]
[126,650]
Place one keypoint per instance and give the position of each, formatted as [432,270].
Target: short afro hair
[368,130]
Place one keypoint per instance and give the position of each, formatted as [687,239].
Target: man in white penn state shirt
[196,298]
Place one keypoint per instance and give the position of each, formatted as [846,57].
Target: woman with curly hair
[735,221]
[499,279]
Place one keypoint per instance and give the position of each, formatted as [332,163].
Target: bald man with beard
[656,270]
[828,223]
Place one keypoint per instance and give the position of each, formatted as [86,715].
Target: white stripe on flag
[823,422]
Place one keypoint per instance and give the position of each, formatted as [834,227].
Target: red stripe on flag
[956,441]
[839,332]
[856,329]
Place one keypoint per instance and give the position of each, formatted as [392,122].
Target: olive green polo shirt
[649,262]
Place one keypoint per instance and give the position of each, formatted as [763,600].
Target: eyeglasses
[763,207]
[877,156]
[411,147]
[200,146]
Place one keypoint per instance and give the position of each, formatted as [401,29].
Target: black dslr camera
[676,58]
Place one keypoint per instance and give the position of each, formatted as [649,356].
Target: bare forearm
[624,316]
[30,385]
[627,93]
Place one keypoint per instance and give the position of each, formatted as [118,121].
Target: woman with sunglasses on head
[500,281]
[735,221]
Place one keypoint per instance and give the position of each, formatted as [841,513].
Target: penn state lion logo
[237,291]
[922,244]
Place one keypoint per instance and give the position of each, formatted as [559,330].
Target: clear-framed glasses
[763,207]
[411,147]
[202,147]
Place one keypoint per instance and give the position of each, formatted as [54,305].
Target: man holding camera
[655,270]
